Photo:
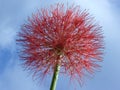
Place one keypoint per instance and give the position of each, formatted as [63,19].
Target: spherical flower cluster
[61,35]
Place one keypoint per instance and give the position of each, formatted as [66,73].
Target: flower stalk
[55,77]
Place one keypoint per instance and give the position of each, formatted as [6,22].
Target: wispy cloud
[16,79]
[7,36]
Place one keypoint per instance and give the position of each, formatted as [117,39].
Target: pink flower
[69,37]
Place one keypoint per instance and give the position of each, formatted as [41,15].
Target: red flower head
[67,36]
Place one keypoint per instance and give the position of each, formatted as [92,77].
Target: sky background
[13,14]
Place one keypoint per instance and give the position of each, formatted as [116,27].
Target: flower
[68,36]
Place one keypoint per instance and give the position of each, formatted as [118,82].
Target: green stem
[55,77]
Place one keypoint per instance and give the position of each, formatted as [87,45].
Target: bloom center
[58,49]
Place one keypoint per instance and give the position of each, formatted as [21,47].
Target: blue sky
[13,13]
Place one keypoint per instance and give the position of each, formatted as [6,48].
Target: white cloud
[7,34]
[7,37]
[16,79]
